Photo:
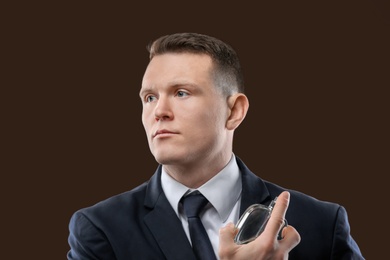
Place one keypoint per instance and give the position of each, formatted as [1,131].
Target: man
[193,100]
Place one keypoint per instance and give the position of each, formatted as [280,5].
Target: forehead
[178,66]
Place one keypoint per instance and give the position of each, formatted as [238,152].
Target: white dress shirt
[223,192]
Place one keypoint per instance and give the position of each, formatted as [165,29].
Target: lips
[162,132]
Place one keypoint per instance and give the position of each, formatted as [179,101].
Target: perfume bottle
[253,221]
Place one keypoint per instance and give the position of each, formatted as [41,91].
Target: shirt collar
[222,191]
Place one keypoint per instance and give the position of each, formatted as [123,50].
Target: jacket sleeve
[86,240]
[344,246]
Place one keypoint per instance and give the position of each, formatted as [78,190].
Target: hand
[266,246]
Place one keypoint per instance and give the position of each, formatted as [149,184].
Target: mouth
[163,132]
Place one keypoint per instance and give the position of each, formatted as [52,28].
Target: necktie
[193,205]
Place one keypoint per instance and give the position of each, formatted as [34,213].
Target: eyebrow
[171,85]
[144,90]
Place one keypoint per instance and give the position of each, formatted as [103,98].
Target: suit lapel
[164,224]
[254,190]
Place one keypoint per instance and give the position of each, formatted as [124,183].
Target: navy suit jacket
[141,224]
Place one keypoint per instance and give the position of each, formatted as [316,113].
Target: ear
[238,107]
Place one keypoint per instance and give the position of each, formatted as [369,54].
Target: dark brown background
[316,76]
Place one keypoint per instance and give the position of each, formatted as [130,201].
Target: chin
[168,158]
[165,157]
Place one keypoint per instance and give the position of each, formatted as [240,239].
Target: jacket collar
[163,222]
[254,190]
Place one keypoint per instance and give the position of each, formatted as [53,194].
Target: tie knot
[193,204]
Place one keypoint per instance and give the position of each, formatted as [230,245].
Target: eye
[150,98]
[181,93]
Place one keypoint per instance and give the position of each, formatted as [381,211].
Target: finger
[280,233]
[291,238]
[226,238]
[227,232]
[276,220]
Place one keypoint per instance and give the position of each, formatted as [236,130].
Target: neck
[194,175]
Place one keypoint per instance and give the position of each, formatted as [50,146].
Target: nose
[163,109]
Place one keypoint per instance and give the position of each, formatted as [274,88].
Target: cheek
[211,121]
[145,121]
[216,116]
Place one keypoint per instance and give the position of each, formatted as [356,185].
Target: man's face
[184,114]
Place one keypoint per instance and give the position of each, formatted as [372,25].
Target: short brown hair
[227,74]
